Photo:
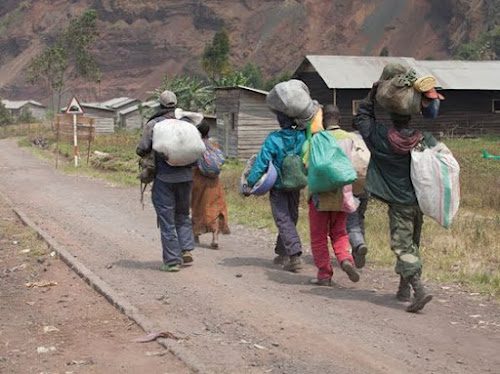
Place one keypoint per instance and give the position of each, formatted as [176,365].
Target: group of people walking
[176,190]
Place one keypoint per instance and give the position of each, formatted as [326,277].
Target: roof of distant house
[18,104]
[251,89]
[359,72]
[118,102]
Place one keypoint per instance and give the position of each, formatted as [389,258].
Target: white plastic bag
[360,158]
[179,141]
[435,177]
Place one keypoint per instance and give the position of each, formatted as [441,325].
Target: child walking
[328,216]
[284,203]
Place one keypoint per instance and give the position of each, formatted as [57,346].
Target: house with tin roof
[471,89]
[18,107]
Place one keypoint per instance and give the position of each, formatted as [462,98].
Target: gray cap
[168,99]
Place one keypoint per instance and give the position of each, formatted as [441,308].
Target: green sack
[329,167]
[293,173]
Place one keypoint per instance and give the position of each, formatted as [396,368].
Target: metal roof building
[465,75]
[471,88]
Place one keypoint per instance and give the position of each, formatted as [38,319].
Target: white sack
[435,177]
[292,98]
[360,158]
[179,141]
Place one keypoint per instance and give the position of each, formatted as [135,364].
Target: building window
[495,106]
[355,106]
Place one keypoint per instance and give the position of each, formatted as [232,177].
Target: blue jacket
[276,146]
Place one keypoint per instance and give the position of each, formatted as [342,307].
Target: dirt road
[65,327]
[237,312]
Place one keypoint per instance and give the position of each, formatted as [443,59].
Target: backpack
[210,163]
[293,172]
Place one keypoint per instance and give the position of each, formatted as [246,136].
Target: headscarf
[203,128]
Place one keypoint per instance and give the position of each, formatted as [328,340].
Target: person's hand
[373,91]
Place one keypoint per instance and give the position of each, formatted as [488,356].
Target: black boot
[404,290]
[421,297]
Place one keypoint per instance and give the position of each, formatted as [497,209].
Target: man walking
[388,179]
[171,194]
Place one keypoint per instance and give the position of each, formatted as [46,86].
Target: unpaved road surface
[66,327]
[237,312]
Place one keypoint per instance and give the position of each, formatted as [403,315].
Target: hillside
[142,41]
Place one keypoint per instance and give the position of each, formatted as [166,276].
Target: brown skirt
[208,205]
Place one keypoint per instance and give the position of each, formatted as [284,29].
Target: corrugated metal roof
[465,75]
[128,110]
[118,102]
[18,104]
[356,72]
[262,92]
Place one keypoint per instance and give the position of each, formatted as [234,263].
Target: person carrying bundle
[388,179]
[328,210]
[172,184]
[280,145]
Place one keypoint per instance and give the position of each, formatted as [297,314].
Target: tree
[5,117]
[215,60]
[254,75]
[192,93]
[284,76]
[72,47]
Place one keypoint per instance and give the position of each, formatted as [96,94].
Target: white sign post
[75,108]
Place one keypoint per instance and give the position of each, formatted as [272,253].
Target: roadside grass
[467,254]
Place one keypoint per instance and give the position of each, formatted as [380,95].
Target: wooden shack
[243,120]
[20,107]
[471,88]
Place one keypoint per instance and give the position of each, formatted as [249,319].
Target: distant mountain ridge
[141,41]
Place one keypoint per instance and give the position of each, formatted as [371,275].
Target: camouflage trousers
[405,222]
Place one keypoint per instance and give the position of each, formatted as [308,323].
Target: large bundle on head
[293,99]
[179,141]
[396,92]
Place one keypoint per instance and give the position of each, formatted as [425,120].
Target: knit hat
[168,99]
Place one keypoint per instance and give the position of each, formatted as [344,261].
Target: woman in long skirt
[208,203]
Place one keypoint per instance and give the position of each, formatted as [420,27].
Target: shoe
[327,282]
[214,245]
[359,255]
[294,265]
[281,260]
[404,290]
[421,296]
[196,239]
[187,257]
[350,270]
[170,268]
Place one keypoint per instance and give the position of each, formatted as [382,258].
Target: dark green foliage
[5,117]
[254,75]
[485,47]
[284,76]
[215,59]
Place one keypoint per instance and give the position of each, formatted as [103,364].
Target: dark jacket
[164,172]
[388,177]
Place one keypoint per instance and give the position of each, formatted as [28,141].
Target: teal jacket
[276,146]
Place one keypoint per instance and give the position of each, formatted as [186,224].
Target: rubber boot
[421,297]
[404,290]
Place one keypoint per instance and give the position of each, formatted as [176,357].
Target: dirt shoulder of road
[65,327]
